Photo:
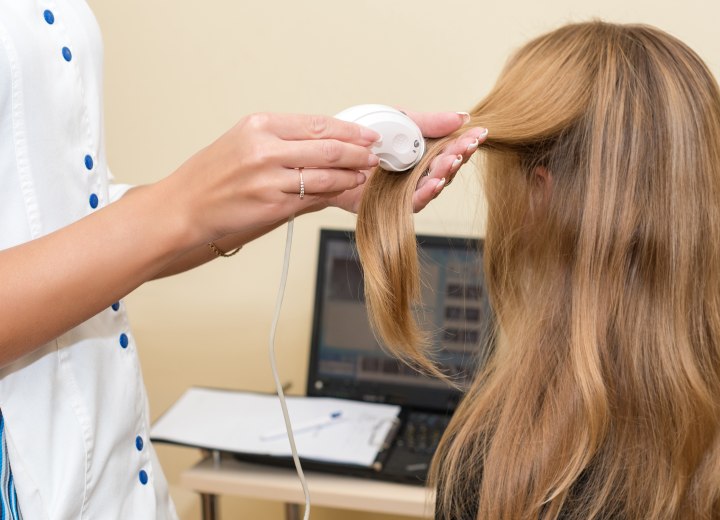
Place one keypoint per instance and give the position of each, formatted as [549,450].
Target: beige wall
[178,73]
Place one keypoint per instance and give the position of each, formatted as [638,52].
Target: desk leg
[292,512]
[208,504]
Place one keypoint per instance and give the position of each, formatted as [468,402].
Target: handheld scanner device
[401,145]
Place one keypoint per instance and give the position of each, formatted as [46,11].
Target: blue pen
[304,426]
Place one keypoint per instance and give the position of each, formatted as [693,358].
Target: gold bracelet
[219,252]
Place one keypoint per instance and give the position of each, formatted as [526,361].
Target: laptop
[346,360]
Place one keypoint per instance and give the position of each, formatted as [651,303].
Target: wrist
[172,213]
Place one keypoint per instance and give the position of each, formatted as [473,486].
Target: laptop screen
[346,359]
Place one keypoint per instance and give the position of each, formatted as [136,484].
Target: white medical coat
[75,410]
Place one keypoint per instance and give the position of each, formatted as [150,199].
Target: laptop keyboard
[422,432]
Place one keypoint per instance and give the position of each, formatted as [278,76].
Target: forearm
[53,283]
[203,253]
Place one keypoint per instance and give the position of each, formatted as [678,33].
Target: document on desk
[326,429]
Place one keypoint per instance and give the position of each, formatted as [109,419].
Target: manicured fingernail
[361,178]
[369,135]
[465,117]
[484,134]
[456,163]
[473,146]
[373,160]
[440,185]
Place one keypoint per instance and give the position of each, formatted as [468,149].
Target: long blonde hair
[602,399]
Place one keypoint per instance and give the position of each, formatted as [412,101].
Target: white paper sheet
[243,422]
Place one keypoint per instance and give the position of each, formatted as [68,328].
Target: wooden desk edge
[235,478]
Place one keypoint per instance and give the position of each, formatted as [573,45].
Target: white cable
[276,376]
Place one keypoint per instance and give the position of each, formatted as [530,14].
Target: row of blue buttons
[124,340]
[143,476]
[139,443]
[67,56]
[89,163]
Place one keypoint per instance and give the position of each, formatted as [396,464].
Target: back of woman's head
[602,258]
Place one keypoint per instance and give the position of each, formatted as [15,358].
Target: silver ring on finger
[302,183]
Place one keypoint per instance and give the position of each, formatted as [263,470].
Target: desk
[223,475]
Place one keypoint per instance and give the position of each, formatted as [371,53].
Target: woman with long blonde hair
[602,259]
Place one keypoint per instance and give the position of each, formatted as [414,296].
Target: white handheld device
[401,145]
